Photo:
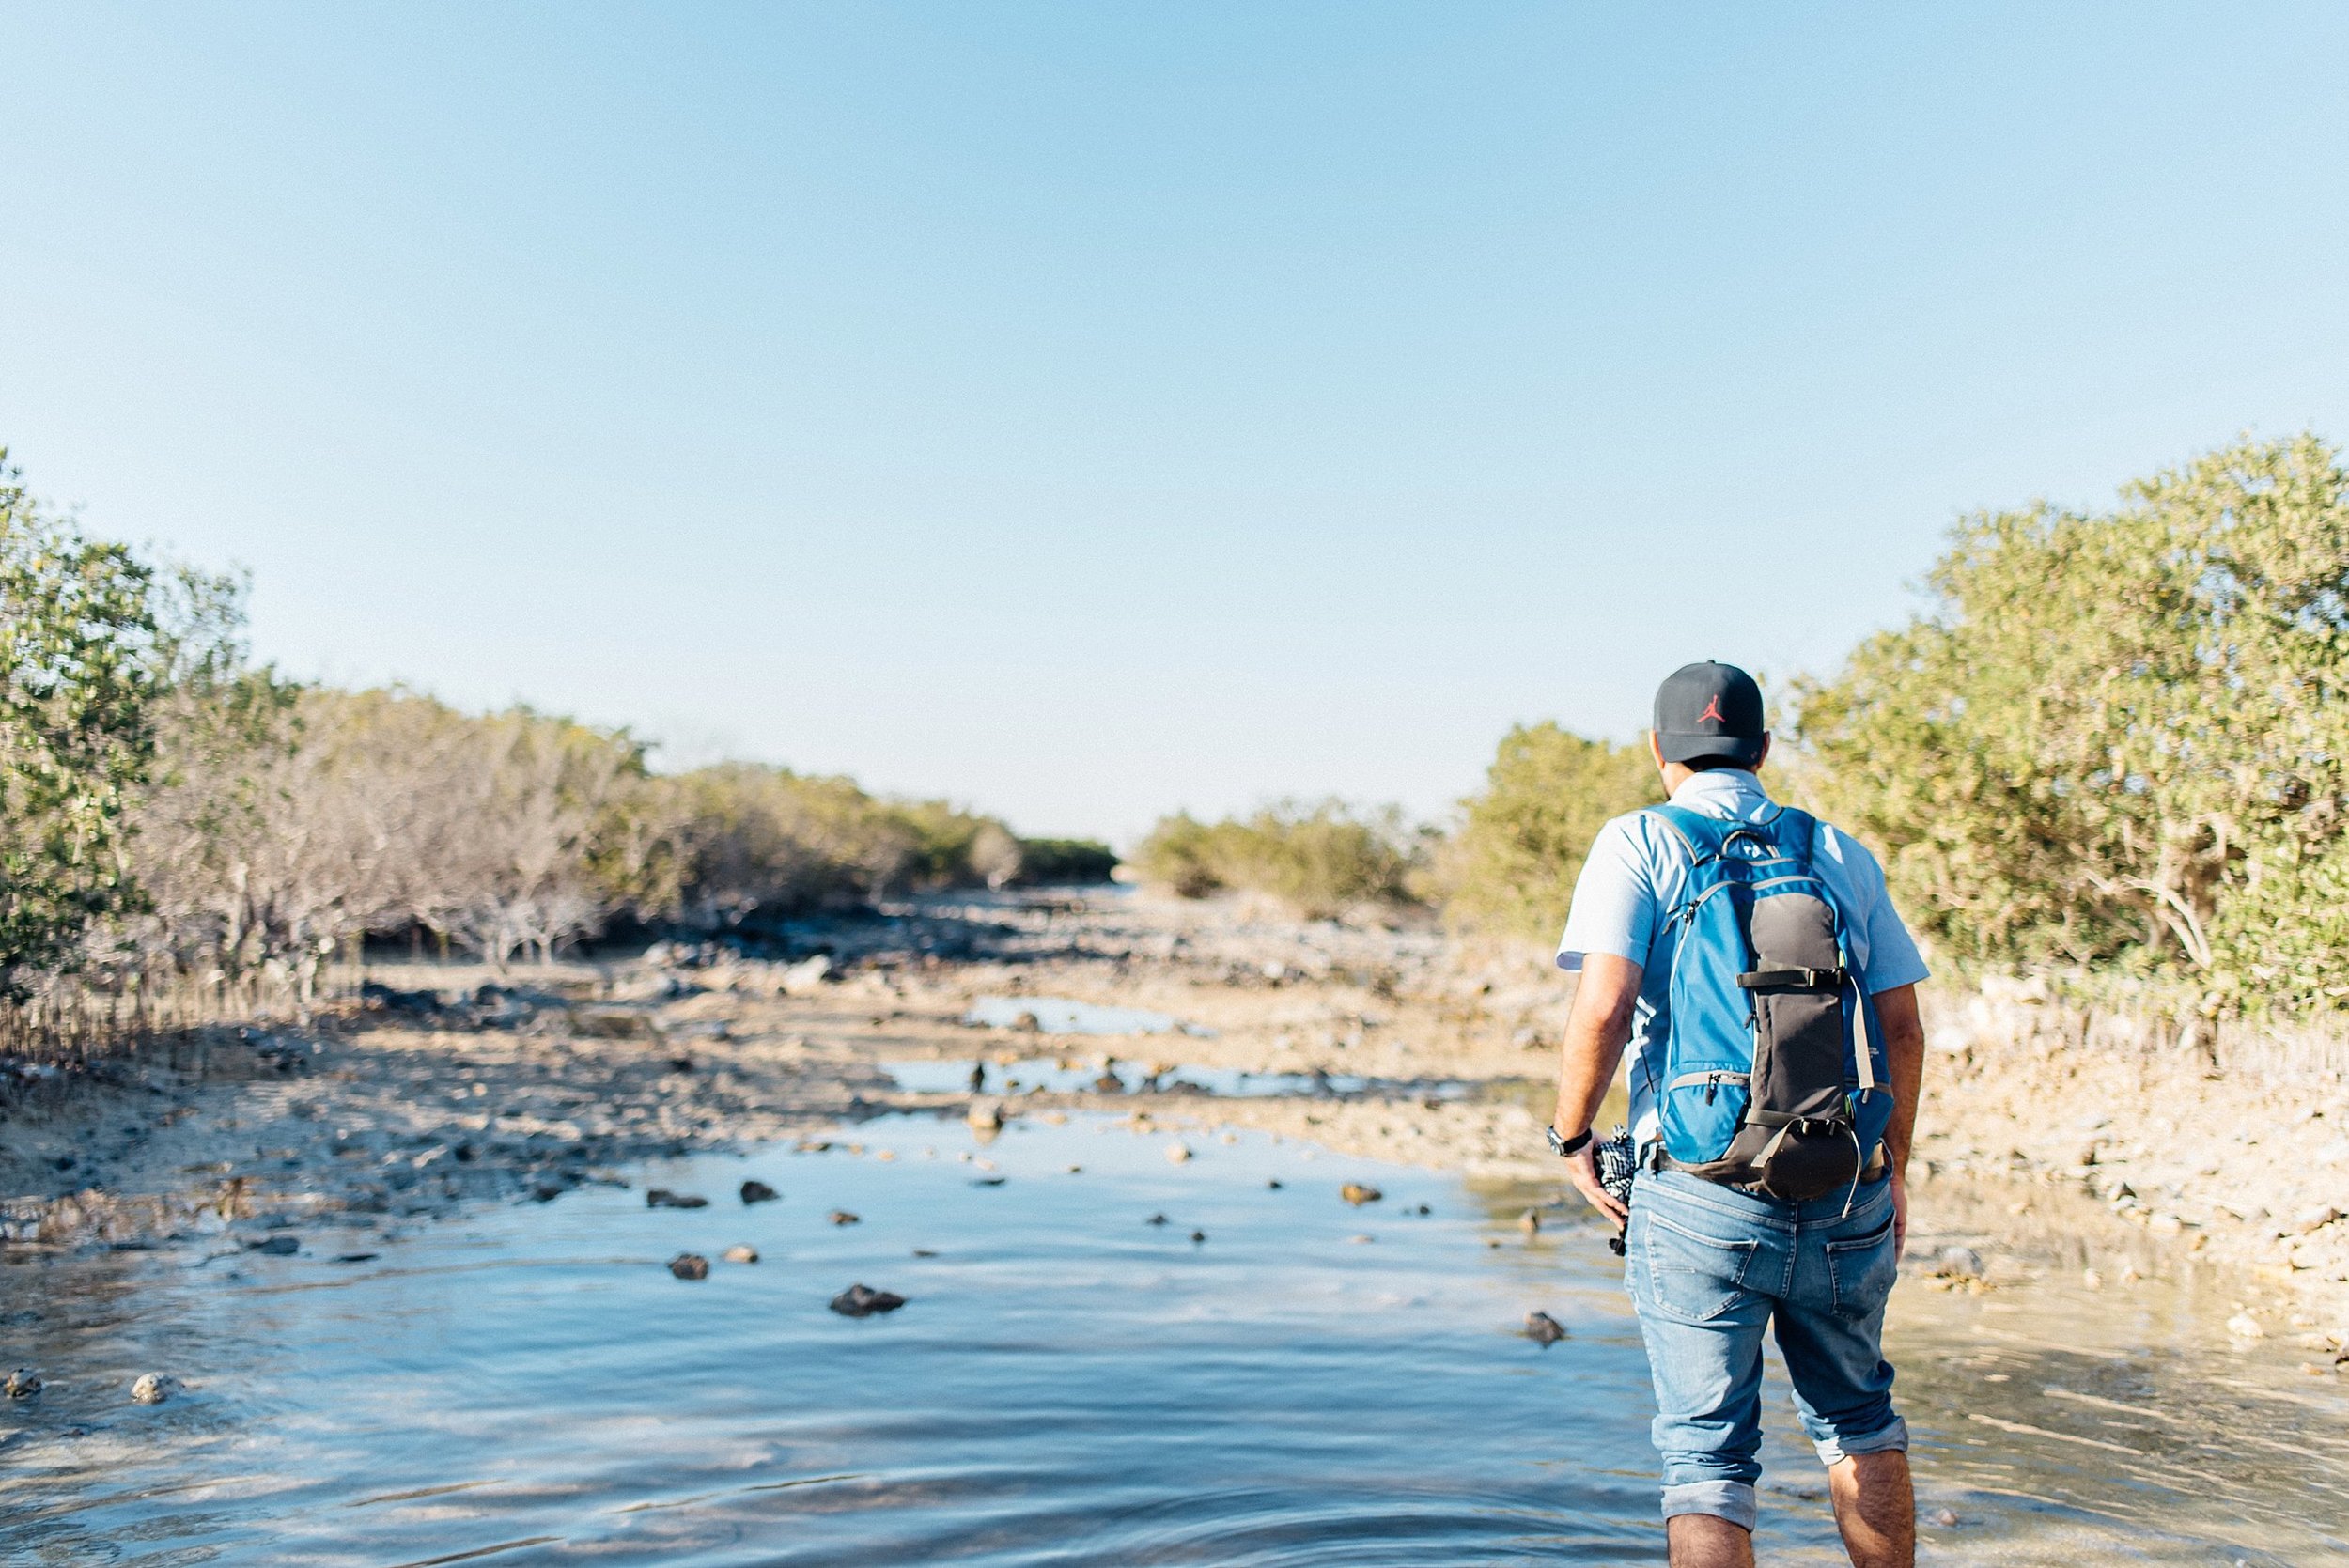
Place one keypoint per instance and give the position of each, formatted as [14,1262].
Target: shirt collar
[1731,791]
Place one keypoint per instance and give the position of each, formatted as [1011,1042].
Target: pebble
[1945,1517]
[842,1216]
[1198,1235]
[153,1388]
[2243,1326]
[1155,1220]
[690,1266]
[1958,1263]
[1357,1194]
[1274,1186]
[662,1198]
[23,1383]
[1177,1152]
[758,1192]
[864,1301]
[740,1254]
[1531,1221]
[1544,1330]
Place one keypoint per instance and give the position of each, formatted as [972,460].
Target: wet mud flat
[1109,1352]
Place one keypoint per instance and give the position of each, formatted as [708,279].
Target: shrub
[1512,866]
[1322,860]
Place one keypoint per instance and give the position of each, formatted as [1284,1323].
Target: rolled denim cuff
[1732,1500]
[1835,1450]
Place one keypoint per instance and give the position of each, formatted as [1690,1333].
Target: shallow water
[1061,1015]
[1070,1075]
[1069,1385]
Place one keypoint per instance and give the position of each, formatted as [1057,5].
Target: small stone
[23,1383]
[758,1192]
[690,1266]
[1177,1152]
[1362,1240]
[153,1388]
[2315,1219]
[985,1116]
[2243,1326]
[1274,1186]
[1531,1221]
[356,1257]
[2093,1280]
[1155,1220]
[1198,1237]
[1958,1263]
[662,1198]
[1544,1330]
[275,1246]
[989,1181]
[1357,1194]
[2165,1223]
[864,1301]
[925,1253]
[740,1253]
[842,1216]
[1946,1518]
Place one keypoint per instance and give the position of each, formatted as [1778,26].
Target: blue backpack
[1771,1072]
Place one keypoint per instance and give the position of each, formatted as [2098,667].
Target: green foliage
[1512,866]
[2122,738]
[1063,862]
[1322,860]
[82,662]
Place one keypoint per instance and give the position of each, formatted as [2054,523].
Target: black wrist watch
[1566,1147]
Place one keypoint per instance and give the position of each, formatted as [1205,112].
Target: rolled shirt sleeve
[1614,900]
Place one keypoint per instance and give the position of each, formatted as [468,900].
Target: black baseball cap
[1710,713]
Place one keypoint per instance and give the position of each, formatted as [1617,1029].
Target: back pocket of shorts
[1691,1276]
[1861,1269]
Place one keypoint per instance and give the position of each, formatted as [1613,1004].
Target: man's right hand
[1582,1169]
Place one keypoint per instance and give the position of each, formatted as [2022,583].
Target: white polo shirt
[1635,874]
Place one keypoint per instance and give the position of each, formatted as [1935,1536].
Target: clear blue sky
[1085,410]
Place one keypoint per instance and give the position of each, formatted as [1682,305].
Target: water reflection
[1311,1384]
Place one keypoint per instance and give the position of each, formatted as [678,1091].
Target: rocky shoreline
[447,1087]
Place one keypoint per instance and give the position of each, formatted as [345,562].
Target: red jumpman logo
[1712,711]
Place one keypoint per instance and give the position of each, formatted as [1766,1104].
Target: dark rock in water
[979,1076]
[275,1246]
[758,1192]
[864,1301]
[740,1253]
[356,1257]
[1425,1209]
[375,996]
[1274,1184]
[1544,1330]
[681,1064]
[924,1252]
[1155,1220]
[987,1181]
[1357,1194]
[23,1383]
[1198,1235]
[690,1266]
[842,1216]
[662,1198]
[1109,1083]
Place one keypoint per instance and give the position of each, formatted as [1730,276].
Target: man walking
[1751,960]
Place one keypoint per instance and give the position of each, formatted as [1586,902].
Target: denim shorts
[1709,1267]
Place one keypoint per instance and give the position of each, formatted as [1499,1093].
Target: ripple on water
[1067,1385]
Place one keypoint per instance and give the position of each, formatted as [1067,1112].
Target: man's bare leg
[1874,1509]
[1705,1541]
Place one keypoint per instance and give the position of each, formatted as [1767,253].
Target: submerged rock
[864,1301]
[662,1198]
[842,1216]
[1155,1220]
[1544,1330]
[690,1266]
[23,1383]
[758,1192]
[153,1388]
[1357,1194]
[740,1253]
[275,1246]
[1198,1235]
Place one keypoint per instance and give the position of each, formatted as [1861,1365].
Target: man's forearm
[1904,1054]
[1597,1032]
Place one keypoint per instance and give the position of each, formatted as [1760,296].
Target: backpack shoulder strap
[1702,835]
